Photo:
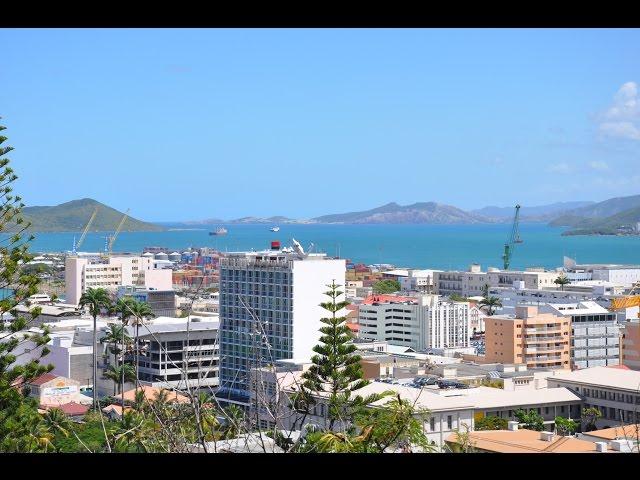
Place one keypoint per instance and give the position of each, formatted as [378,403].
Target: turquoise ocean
[418,246]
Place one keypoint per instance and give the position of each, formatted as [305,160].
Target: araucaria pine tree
[21,427]
[335,368]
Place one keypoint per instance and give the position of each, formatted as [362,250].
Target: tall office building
[595,333]
[422,322]
[270,310]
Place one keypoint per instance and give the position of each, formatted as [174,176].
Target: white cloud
[561,167]
[622,118]
[599,165]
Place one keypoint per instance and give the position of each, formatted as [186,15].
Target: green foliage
[491,423]
[565,426]
[485,382]
[73,216]
[492,303]
[336,367]
[589,417]
[454,297]
[562,281]
[530,420]
[22,429]
[386,286]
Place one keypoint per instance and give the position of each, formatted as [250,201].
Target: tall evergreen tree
[336,368]
[21,427]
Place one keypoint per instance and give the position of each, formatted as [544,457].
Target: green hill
[622,222]
[73,217]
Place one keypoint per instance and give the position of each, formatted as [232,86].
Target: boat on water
[275,229]
[219,231]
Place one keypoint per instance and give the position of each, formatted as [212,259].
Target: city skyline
[287,122]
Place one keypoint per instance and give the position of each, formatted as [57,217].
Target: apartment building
[595,333]
[111,272]
[538,340]
[270,310]
[422,322]
[630,345]
[614,391]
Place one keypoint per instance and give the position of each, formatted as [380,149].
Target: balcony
[545,339]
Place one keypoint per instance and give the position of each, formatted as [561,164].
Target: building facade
[630,345]
[421,323]
[161,302]
[111,272]
[538,340]
[612,390]
[595,333]
[270,310]
[179,353]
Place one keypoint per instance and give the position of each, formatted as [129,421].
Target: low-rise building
[179,352]
[614,391]
[516,440]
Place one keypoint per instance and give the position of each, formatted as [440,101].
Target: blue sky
[192,124]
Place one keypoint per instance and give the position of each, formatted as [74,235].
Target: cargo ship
[219,231]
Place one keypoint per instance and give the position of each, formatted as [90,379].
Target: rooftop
[601,376]
[524,441]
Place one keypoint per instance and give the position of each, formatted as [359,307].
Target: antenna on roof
[298,248]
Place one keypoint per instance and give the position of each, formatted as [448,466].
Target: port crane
[76,246]
[514,238]
[112,238]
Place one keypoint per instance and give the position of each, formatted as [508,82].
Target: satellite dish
[298,248]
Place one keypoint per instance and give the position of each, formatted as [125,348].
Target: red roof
[72,408]
[619,367]
[387,299]
[47,377]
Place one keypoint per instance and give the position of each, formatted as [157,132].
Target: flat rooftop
[601,376]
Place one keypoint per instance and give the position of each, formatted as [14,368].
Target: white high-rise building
[94,271]
[423,322]
[270,310]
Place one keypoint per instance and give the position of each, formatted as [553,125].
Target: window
[432,424]
[449,422]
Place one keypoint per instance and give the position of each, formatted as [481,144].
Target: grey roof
[174,327]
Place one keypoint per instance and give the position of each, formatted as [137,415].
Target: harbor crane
[111,239]
[76,246]
[514,238]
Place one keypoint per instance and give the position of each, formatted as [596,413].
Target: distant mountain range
[73,216]
[613,216]
[426,212]
[540,213]
[603,218]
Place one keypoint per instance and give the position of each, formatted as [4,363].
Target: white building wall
[310,280]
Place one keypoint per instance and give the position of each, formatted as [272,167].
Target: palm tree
[122,308]
[562,281]
[96,299]
[492,303]
[117,373]
[57,420]
[140,311]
